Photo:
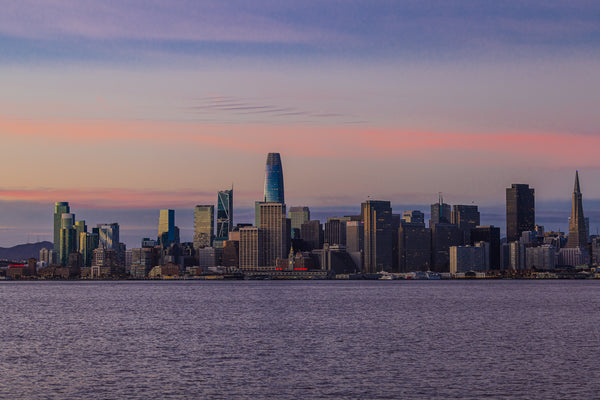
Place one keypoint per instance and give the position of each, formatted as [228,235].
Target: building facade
[467,258]
[443,236]
[108,236]
[355,236]
[520,211]
[273,191]
[166,227]
[414,247]
[466,217]
[276,229]
[312,234]
[298,216]
[335,231]
[60,208]
[204,226]
[413,217]
[224,214]
[251,252]
[489,234]
[378,236]
[440,213]
[578,231]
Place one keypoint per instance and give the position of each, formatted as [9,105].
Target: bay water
[300,339]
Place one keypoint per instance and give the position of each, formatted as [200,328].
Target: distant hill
[24,251]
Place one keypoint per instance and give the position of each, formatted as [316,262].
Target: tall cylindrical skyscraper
[274,179]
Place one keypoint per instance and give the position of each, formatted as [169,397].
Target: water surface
[307,339]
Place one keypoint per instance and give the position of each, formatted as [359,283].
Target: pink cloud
[566,149]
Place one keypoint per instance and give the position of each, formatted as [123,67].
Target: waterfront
[309,339]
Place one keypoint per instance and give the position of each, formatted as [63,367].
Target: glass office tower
[224,214]
[274,179]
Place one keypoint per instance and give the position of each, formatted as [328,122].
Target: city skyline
[360,100]
[143,222]
[224,198]
[380,240]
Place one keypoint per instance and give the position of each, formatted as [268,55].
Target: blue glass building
[224,214]
[274,179]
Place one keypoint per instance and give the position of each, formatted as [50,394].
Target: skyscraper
[60,208]
[276,229]
[68,240]
[108,236]
[166,227]
[311,233]
[440,213]
[577,225]
[466,217]
[443,236]
[88,242]
[413,217]
[80,227]
[378,236]
[204,226]
[520,211]
[414,247]
[354,236]
[251,252]
[335,230]
[489,234]
[224,214]
[298,216]
[274,179]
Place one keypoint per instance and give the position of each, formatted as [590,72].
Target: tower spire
[577,229]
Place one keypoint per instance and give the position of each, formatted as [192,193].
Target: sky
[125,107]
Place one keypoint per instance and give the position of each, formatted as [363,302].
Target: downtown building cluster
[284,243]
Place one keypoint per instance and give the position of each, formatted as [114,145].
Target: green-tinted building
[88,242]
[224,214]
[298,216]
[60,208]
[80,227]
[67,238]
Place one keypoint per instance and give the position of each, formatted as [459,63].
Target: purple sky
[114,106]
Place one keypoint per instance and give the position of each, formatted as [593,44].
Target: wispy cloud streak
[245,110]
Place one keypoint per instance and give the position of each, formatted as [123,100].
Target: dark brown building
[443,236]
[312,234]
[414,247]
[491,235]
[466,217]
[335,231]
[520,211]
[231,253]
